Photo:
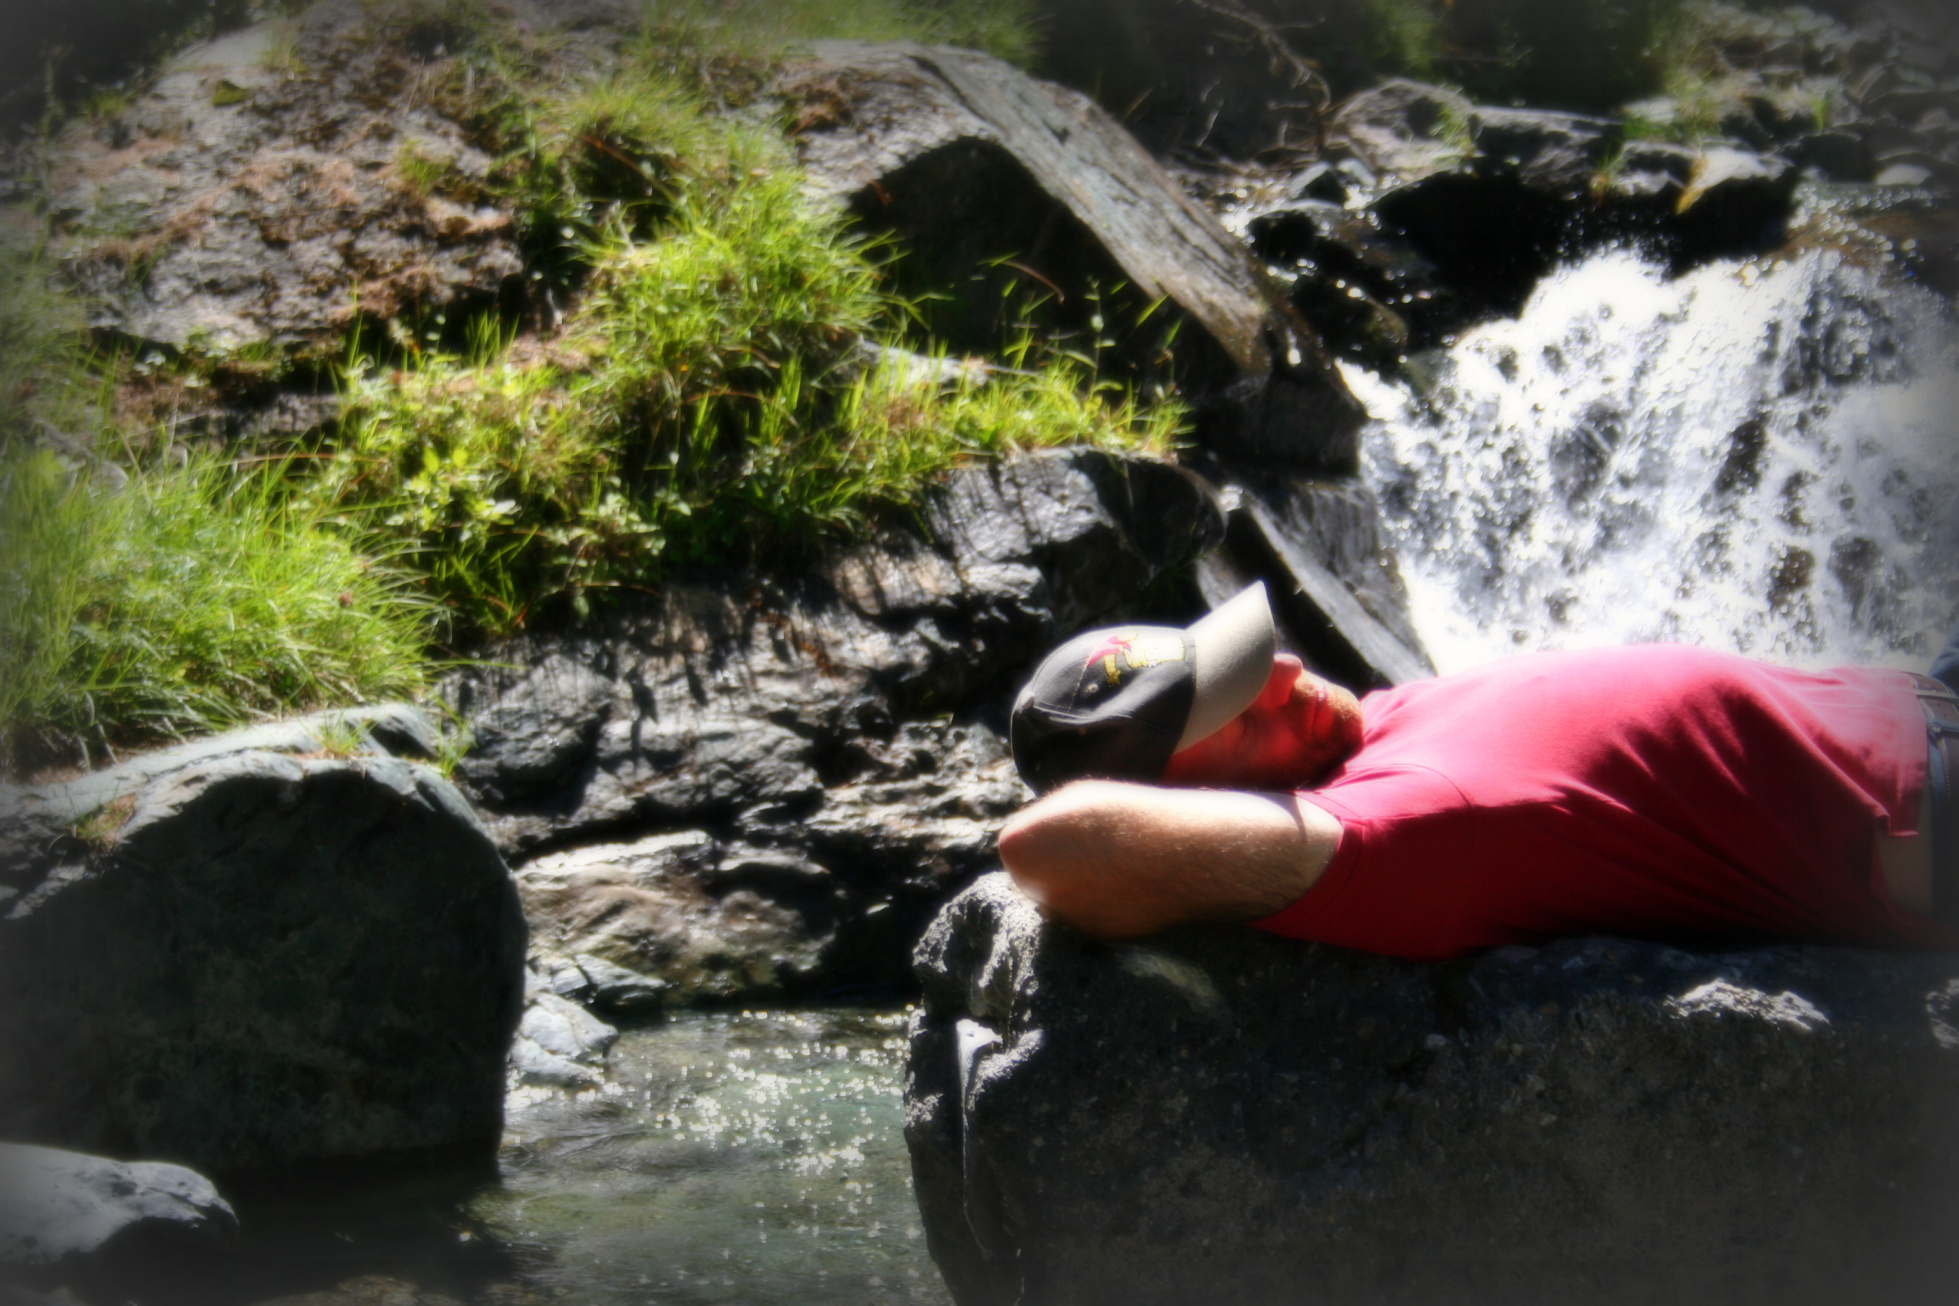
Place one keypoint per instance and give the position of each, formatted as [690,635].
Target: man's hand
[1118,860]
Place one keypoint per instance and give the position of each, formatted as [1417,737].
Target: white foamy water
[1760,458]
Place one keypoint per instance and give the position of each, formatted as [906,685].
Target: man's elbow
[1047,846]
[1029,849]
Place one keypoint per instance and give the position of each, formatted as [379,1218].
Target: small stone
[1902,174]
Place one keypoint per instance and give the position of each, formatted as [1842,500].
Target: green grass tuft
[185,601]
[711,402]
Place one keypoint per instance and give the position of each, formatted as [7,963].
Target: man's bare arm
[1119,860]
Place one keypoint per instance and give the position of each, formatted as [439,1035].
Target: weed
[736,31]
[419,173]
[44,381]
[282,53]
[1457,130]
[1405,35]
[340,739]
[106,103]
[454,739]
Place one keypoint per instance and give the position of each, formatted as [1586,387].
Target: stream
[751,1157]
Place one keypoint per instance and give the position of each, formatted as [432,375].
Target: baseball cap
[1116,703]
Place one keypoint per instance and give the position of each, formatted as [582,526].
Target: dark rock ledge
[1217,1115]
[753,789]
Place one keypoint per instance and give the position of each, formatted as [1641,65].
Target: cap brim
[1232,652]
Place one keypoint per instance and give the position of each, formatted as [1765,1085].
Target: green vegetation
[714,383]
[419,173]
[1575,54]
[43,383]
[145,601]
[763,30]
[1405,35]
[183,601]
[712,402]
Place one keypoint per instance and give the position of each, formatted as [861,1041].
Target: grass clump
[1405,35]
[44,382]
[186,600]
[713,401]
[707,395]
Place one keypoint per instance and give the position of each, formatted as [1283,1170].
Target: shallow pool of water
[753,1157]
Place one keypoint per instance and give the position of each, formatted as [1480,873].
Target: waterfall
[1755,456]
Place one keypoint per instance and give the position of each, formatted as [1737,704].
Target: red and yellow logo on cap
[1133,650]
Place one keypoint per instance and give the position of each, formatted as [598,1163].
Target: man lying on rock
[1656,791]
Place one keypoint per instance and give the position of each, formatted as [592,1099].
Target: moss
[100,828]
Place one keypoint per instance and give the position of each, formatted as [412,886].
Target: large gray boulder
[1219,1115]
[258,958]
[754,790]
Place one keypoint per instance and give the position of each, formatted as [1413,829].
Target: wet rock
[1336,593]
[39,822]
[105,1227]
[743,921]
[1493,229]
[620,991]
[1472,204]
[259,959]
[1370,295]
[1407,129]
[1218,1114]
[1836,155]
[1017,190]
[1545,150]
[767,789]
[559,1044]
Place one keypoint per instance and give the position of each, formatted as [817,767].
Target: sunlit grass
[713,401]
[187,600]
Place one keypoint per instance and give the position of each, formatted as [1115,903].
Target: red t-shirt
[1657,790]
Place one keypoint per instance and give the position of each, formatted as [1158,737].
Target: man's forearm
[1119,860]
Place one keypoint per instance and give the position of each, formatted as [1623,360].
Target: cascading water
[1760,457]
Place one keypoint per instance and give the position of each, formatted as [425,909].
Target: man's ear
[1286,670]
